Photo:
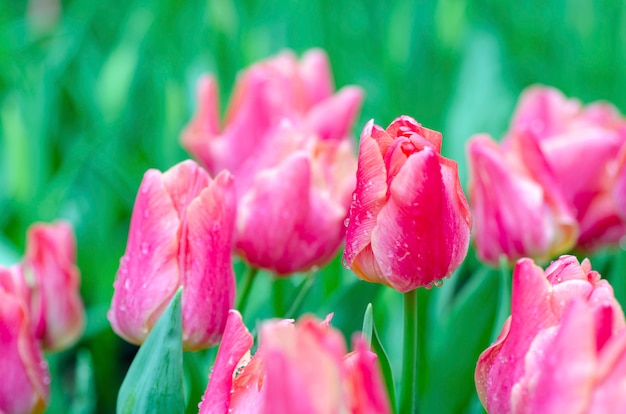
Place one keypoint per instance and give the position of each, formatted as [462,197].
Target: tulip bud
[516,214]
[57,310]
[562,340]
[180,235]
[25,379]
[409,220]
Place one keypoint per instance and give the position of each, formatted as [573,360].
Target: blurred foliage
[92,94]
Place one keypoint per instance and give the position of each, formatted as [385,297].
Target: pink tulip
[301,365]
[517,212]
[581,146]
[409,219]
[25,380]
[180,235]
[56,308]
[293,201]
[286,138]
[561,341]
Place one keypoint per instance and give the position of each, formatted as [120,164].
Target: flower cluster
[40,309]
[554,183]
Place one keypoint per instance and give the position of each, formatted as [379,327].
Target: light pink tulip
[581,145]
[301,365]
[56,308]
[409,219]
[25,379]
[286,138]
[557,345]
[180,235]
[518,212]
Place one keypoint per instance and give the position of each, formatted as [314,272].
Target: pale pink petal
[317,79]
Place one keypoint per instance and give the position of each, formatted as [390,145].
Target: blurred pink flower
[301,365]
[180,235]
[56,308]
[581,146]
[563,349]
[25,379]
[286,139]
[409,219]
[517,211]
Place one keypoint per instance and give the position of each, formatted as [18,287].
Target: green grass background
[91,100]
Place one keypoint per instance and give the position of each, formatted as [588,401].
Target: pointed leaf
[154,382]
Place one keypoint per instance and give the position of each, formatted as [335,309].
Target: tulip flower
[25,379]
[293,201]
[286,139]
[409,220]
[301,365]
[56,308]
[517,212]
[581,146]
[560,347]
[180,235]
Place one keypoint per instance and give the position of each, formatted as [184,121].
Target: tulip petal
[421,215]
[148,275]
[368,199]
[204,127]
[235,343]
[334,117]
[317,80]
[208,277]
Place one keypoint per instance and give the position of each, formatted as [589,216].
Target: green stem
[504,298]
[247,282]
[303,289]
[410,360]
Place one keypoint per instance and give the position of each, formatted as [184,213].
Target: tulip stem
[410,360]
[504,298]
[247,281]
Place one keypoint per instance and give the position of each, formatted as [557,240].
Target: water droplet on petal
[439,282]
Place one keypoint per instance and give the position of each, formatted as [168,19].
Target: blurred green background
[92,94]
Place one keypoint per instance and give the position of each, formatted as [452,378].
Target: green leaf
[84,401]
[154,382]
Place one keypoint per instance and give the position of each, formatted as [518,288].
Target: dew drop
[429,286]
[439,283]
[145,248]
[346,222]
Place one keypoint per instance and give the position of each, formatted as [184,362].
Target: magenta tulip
[561,347]
[301,365]
[409,219]
[581,146]
[517,212]
[57,310]
[25,379]
[180,235]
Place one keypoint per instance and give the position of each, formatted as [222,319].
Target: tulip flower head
[301,365]
[180,235]
[581,145]
[563,348]
[518,212]
[57,310]
[409,223]
[25,385]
